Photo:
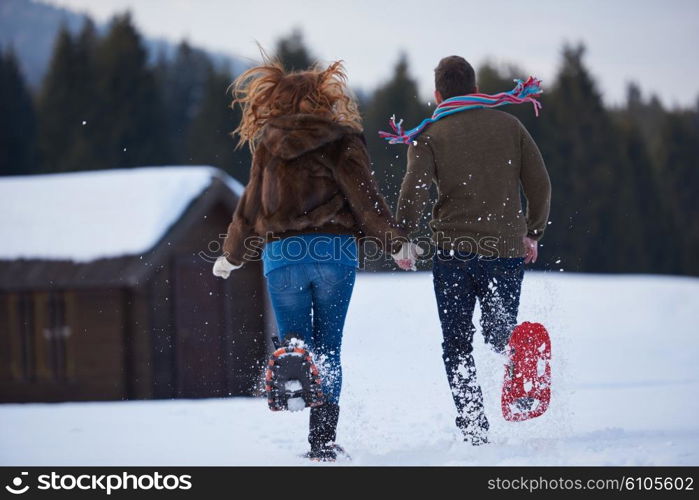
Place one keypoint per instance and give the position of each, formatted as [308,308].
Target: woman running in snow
[311,193]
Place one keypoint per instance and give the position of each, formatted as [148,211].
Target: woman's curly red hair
[267,91]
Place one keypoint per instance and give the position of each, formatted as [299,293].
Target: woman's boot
[322,432]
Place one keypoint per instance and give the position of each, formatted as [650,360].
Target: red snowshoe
[526,392]
[292,381]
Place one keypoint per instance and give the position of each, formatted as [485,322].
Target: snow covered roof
[84,216]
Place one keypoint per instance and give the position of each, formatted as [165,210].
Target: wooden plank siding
[92,351]
[157,325]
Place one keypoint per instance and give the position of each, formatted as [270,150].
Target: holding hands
[406,257]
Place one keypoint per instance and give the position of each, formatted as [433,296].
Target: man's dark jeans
[459,280]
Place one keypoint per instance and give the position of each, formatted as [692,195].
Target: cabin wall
[61,345]
[217,333]
[161,327]
[179,332]
[138,343]
[246,304]
[99,360]
[246,299]
[8,354]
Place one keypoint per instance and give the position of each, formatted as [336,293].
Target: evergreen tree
[292,52]
[677,163]
[647,115]
[60,92]
[183,85]
[130,120]
[209,140]
[655,220]
[17,120]
[582,154]
[80,149]
[399,96]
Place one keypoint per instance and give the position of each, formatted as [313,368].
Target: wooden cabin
[106,289]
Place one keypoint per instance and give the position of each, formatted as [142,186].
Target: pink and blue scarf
[523,92]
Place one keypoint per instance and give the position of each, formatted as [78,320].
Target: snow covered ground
[626,387]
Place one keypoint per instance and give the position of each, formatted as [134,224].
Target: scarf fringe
[524,91]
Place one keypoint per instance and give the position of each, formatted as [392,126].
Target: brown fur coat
[309,174]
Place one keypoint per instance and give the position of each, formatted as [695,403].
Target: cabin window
[25,328]
[41,356]
[55,333]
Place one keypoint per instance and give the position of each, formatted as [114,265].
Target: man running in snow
[478,159]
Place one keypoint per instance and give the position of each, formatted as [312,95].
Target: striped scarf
[523,92]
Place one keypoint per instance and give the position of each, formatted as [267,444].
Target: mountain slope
[30,27]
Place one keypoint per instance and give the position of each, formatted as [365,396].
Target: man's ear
[438,97]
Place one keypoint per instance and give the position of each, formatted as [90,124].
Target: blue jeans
[459,281]
[311,300]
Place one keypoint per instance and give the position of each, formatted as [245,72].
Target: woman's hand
[223,268]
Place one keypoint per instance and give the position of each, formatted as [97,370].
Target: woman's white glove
[406,257]
[223,268]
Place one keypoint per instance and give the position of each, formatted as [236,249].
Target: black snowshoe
[292,381]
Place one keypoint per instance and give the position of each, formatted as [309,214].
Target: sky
[650,42]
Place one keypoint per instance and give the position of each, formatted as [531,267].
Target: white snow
[625,385]
[293,386]
[295,404]
[85,216]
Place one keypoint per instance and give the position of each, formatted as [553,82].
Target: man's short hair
[454,76]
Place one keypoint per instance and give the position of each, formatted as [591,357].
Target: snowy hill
[625,383]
